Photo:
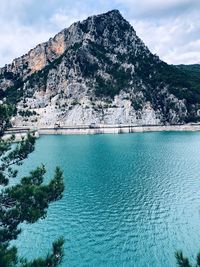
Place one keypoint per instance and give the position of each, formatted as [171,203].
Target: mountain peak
[98,70]
[114,12]
[111,13]
[107,28]
[113,17]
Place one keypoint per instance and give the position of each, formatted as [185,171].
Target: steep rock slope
[98,71]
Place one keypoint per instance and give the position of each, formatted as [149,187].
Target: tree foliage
[184,262]
[5,113]
[27,201]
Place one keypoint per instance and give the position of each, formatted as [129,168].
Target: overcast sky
[170,28]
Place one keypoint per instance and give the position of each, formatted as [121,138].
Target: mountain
[99,71]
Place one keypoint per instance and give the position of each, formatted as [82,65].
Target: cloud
[16,40]
[63,19]
[175,39]
[17,37]
[26,23]
[171,29]
[157,8]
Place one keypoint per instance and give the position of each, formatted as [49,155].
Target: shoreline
[116,129]
[21,132]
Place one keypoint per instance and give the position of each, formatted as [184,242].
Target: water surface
[130,200]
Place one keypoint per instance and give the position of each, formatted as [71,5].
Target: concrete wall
[118,129]
[102,129]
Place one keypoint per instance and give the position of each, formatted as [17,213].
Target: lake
[130,200]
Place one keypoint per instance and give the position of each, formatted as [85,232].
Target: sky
[170,28]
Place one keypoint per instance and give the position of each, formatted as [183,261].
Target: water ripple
[130,200]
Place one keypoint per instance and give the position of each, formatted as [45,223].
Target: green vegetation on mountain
[103,57]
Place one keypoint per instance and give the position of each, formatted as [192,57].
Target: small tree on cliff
[27,201]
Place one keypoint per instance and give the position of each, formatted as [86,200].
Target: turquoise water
[130,200]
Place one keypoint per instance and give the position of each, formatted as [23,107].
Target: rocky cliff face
[97,71]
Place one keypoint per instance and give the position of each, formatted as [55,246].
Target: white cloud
[175,40]
[63,18]
[156,8]
[19,33]
[17,40]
